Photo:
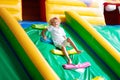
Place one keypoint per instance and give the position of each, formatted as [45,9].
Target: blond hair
[53,19]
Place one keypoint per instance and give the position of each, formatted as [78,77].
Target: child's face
[55,22]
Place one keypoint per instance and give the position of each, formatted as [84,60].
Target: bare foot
[69,61]
[78,51]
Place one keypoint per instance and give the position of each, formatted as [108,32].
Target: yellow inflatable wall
[58,7]
[14,7]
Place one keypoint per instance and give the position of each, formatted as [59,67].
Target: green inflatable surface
[10,66]
[11,69]
[29,67]
[84,30]
[97,68]
[110,33]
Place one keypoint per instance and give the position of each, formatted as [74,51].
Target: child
[59,37]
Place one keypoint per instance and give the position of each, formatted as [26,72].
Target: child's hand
[45,38]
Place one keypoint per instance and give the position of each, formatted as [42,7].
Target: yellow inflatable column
[14,7]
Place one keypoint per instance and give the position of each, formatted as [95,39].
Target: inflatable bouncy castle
[24,56]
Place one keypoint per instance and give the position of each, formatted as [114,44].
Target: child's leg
[66,54]
[74,46]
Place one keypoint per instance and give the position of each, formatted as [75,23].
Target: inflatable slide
[36,61]
[7,22]
[92,17]
[104,49]
[39,62]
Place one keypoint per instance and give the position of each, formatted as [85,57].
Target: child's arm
[65,37]
[43,33]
